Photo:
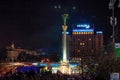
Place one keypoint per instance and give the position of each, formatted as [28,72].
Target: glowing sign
[99,32]
[84,26]
[83,30]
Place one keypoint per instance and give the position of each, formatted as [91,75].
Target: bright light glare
[84,26]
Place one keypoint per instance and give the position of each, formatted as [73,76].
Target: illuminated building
[86,43]
[98,42]
[13,53]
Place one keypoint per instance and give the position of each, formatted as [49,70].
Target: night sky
[34,24]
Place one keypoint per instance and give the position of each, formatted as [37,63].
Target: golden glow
[78,50]
[82,33]
[91,32]
[90,39]
[45,67]
[82,43]
[65,68]
[77,58]
[64,27]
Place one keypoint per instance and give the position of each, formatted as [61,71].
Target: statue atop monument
[65,17]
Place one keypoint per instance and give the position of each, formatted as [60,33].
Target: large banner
[117,49]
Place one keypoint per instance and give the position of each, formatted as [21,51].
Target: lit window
[90,39]
[74,7]
[83,43]
[80,43]
[78,51]
[80,59]
[55,6]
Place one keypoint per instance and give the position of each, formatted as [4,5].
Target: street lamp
[113,19]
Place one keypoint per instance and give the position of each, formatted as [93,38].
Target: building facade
[98,43]
[86,43]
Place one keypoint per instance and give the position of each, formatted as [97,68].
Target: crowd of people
[48,75]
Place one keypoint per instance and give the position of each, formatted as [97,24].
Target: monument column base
[65,68]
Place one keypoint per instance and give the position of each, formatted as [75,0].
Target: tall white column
[64,45]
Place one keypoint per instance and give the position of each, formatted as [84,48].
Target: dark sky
[34,24]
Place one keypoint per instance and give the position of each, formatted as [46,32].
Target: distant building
[86,44]
[98,42]
[13,53]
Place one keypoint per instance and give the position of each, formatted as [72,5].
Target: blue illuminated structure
[43,64]
[83,30]
[84,26]
[52,64]
[55,64]
[58,64]
[99,32]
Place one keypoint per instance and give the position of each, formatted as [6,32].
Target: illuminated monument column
[64,66]
[64,27]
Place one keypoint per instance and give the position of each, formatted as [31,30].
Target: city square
[65,40]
